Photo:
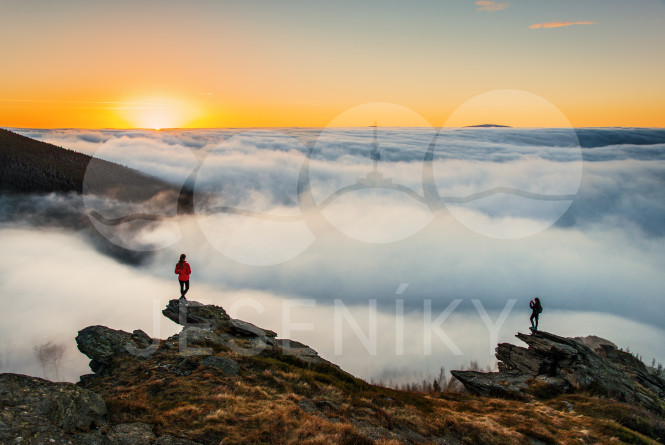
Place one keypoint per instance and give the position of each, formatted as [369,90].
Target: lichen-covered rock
[5,432]
[97,437]
[224,364]
[29,428]
[40,411]
[565,365]
[131,434]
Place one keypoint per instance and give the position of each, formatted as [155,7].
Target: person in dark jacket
[536,309]
[183,271]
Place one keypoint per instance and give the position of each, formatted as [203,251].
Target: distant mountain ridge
[488,126]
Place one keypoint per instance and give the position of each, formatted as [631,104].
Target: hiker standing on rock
[183,271]
[536,309]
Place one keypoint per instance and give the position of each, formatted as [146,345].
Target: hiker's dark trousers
[184,287]
[534,315]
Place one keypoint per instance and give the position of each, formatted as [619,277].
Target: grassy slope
[278,399]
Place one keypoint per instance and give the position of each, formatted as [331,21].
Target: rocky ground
[227,381]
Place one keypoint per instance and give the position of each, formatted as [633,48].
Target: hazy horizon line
[475,127]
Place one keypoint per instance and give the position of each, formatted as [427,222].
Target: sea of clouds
[296,230]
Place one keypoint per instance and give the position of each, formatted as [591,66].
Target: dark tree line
[30,166]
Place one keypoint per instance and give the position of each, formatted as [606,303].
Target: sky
[496,217]
[217,64]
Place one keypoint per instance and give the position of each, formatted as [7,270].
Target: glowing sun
[157,114]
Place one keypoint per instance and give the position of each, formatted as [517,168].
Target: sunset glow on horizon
[157,65]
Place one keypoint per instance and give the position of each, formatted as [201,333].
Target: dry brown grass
[287,402]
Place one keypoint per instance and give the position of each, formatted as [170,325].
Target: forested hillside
[31,166]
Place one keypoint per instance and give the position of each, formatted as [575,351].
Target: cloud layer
[596,263]
[53,284]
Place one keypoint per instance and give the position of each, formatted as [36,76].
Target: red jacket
[183,273]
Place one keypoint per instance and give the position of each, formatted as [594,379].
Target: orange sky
[159,64]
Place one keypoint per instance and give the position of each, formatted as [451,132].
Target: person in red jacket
[183,271]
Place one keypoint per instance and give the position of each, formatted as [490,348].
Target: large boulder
[559,365]
[40,411]
[102,344]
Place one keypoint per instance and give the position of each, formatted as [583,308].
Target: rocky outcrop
[207,324]
[37,411]
[553,365]
[226,381]
[65,406]
[210,341]
[207,332]
[634,368]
